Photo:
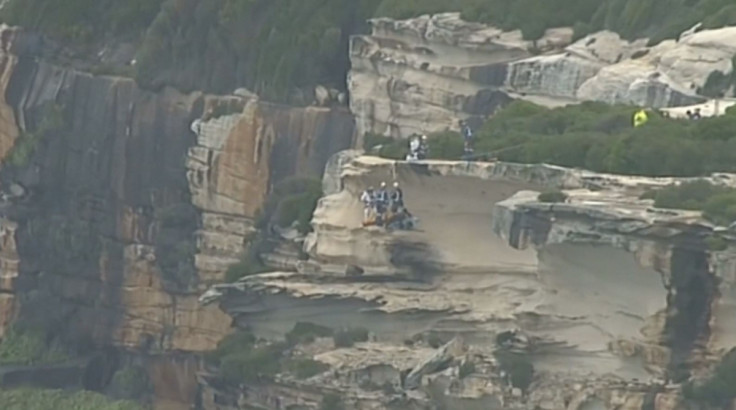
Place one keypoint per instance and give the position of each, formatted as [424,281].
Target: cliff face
[121,205]
[611,302]
[420,75]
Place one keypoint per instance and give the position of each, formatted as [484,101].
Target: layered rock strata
[611,299]
[423,74]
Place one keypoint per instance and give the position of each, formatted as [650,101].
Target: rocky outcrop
[122,205]
[609,301]
[423,74]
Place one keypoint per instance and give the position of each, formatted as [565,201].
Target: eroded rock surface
[611,301]
[423,74]
[121,205]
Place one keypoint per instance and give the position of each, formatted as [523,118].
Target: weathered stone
[424,74]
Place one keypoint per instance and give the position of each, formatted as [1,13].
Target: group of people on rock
[419,146]
[693,115]
[377,202]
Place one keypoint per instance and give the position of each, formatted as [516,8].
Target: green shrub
[130,383]
[371,141]
[234,343]
[552,197]
[306,332]
[466,369]
[717,203]
[251,364]
[434,341]
[27,346]
[306,368]
[332,402]
[518,367]
[716,243]
[37,399]
[721,208]
[348,337]
[50,125]
[717,391]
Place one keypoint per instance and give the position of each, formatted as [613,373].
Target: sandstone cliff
[422,74]
[121,205]
[612,302]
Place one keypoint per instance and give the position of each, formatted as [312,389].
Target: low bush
[130,383]
[249,364]
[37,399]
[718,390]
[26,346]
[466,369]
[332,402]
[306,368]
[552,197]
[306,332]
[348,337]
[718,203]
[518,367]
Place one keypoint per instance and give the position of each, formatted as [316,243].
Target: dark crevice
[692,288]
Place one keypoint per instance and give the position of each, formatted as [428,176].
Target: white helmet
[396,184]
[383,185]
[424,137]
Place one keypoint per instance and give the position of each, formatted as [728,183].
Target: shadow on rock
[418,258]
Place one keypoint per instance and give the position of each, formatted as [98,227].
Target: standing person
[413,148]
[368,199]
[467,138]
[423,148]
[381,202]
[397,199]
[640,118]
[696,114]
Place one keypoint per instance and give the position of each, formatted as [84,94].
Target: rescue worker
[381,203]
[640,118]
[467,137]
[368,199]
[413,148]
[397,199]
[423,148]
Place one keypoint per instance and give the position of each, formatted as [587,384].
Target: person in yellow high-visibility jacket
[640,117]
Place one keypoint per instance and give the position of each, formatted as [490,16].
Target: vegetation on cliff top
[598,137]
[25,399]
[717,203]
[282,48]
